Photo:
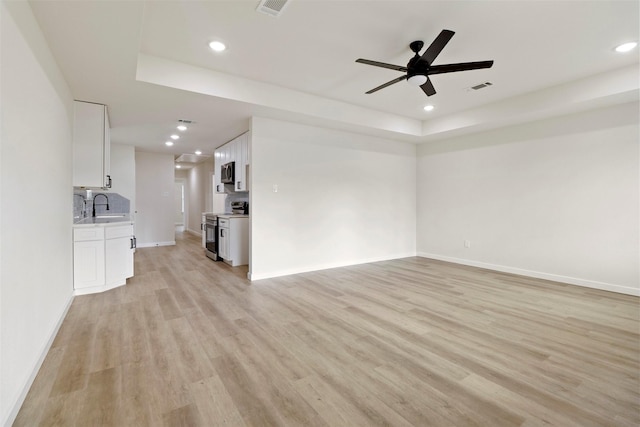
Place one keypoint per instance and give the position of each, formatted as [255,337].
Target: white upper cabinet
[91,145]
[241,150]
[220,158]
[236,150]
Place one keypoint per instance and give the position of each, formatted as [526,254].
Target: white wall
[123,173]
[342,198]
[155,222]
[556,199]
[200,190]
[36,279]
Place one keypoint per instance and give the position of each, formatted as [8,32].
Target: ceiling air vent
[272,7]
[185,121]
[480,86]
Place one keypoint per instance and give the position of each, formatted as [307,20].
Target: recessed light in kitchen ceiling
[174,136]
[217,46]
[178,166]
[181,128]
[429,107]
[626,47]
[198,152]
[168,143]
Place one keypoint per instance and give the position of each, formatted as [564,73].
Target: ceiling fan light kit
[420,67]
[417,80]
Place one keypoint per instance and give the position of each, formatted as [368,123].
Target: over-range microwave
[227,175]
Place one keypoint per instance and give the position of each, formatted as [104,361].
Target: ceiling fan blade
[382,64]
[436,46]
[464,66]
[428,87]
[375,89]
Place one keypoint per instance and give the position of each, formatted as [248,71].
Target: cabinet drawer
[88,233]
[120,231]
[223,222]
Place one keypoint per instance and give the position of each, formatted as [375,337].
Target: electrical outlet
[467,243]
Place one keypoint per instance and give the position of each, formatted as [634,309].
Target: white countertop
[102,220]
[232,216]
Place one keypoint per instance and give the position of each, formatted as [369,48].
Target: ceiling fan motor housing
[416,46]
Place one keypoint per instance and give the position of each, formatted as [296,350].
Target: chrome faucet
[94,203]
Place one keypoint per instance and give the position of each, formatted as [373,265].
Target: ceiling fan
[419,67]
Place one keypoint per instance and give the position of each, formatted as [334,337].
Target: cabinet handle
[134,242]
[131,241]
[108,184]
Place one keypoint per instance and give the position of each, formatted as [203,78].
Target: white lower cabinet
[233,240]
[88,264]
[102,257]
[224,238]
[203,231]
[119,248]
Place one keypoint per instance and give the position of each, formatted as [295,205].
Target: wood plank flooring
[410,342]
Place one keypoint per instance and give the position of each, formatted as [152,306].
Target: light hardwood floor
[190,342]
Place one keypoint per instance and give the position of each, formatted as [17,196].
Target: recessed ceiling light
[429,107]
[626,47]
[174,136]
[178,166]
[181,128]
[198,152]
[168,143]
[217,46]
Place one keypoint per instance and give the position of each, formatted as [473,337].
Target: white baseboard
[11,417]
[154,244]
[194,232]
[309,268]
[537,274]
[505,269]
[98,289]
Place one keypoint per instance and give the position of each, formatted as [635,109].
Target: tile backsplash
[235,197]
[83,203]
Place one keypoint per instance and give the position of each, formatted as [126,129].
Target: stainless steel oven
[211,233]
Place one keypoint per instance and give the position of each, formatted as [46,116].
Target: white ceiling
[150,63]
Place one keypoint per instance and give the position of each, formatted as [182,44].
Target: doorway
[180,204]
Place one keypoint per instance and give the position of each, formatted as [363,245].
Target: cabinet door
[203,232]
[218,161]
[106,151]
[241,177]
[226,149]
[239,241]
[223,243]
[247,142]
[247,160]
[91,144]
[118,259]
[88,264]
